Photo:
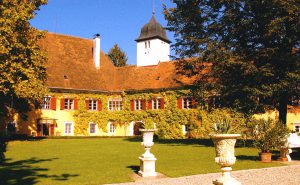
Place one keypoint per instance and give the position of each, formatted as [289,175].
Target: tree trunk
[283,101]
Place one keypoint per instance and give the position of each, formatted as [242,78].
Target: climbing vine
[168,121]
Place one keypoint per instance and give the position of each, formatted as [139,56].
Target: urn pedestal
[147,160]
[224,145]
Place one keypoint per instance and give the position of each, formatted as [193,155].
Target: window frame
[115,104]
[69,104]
[95,129]
[187,103]
[71,131]
[46,105]
[156,104]
[112,128]
[138,105]
[93,104]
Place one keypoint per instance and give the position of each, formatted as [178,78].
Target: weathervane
[153,7]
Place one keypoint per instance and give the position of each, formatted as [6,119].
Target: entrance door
[45,129]
[136,128]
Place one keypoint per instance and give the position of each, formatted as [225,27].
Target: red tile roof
[70,66]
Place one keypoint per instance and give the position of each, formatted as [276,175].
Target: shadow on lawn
[175,142]
[295,155]
[134,168]
[247,157]
[194,142]
[23,172]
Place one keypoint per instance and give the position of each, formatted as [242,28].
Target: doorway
[45,129]
[137,127]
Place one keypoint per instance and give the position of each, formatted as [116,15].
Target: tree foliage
[21,61]
[117,56]
[250,47]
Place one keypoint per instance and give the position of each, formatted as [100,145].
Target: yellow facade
[41,122]
[292,119]
[59,118]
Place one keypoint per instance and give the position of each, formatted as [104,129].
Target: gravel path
[286,175]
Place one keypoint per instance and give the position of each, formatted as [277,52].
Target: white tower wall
[158,51]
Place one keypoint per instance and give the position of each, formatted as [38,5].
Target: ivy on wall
[168,121]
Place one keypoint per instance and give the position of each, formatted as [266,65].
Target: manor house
[89,96]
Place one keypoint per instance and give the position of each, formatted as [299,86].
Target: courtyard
[111,160]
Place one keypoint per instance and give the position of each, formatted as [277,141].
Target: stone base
[226,181]
[285,154]
[147,167]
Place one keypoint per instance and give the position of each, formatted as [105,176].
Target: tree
[22,69]
[117,56]
[250,47]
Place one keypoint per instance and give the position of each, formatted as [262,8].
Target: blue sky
[117,21]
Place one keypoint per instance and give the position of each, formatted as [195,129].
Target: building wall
[170,120]
[292,117]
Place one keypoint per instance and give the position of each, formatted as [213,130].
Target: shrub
[268,134]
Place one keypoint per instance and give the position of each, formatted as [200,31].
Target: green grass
[108,160]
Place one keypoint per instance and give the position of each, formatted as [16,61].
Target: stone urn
[147,160]
[224,145]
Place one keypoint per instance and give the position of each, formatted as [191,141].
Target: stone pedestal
[285,154]
[224,145]
[147,166]
[226,178]
[147,160]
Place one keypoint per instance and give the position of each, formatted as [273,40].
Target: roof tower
[153,30]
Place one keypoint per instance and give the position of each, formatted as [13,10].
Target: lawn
[109,160]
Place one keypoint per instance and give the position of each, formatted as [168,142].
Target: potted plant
[268,135]
[224,138]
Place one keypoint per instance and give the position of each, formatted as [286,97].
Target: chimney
[96,50]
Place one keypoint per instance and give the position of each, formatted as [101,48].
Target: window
[46,102]
[156,104]
[111,128]
[115,104]
[138,105]
[93,104]
[297,127]
[147,44]
[185,129]
[295,101]
[187,103]
[68,128]
[215,102]
[69,104]
[93,128]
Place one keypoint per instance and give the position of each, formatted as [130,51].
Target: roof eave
[153,37]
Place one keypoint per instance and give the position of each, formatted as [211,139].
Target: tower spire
[153,8]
